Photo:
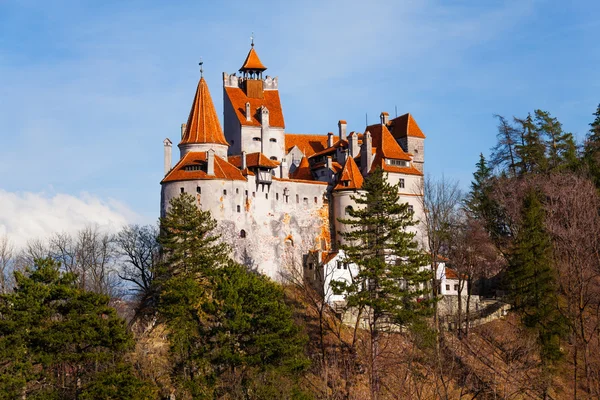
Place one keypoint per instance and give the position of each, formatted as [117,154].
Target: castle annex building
[275,195]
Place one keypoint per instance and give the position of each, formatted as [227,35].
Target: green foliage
[532,279]
[531,149]
[591,150]
[189,245]
[56,338]
[391,281]
[230,331]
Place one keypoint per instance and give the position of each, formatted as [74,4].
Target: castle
[277,196]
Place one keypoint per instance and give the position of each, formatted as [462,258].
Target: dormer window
[195,167]
[397,163]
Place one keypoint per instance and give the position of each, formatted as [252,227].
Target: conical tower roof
[252,62]
[203,124]
[351,178]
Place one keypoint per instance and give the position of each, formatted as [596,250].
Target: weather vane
[252,39]
[201,70]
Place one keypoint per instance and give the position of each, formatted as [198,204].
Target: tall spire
[203,123]
[252,62]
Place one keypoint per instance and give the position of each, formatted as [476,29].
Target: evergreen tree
[230,331]
[561,149]
[391,282]
[531,149]
[532,281]
[504,155]
[58,341]
[591,150]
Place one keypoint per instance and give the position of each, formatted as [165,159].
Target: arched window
[349,209]
[243,234]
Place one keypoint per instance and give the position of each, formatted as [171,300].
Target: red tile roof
[339,143]
[223,169]
[308,144]
[350,174]
[385,143]
[203,124]
[271,100]
[326,257]
[253,160]
[303,171]
[379,161]
[252,62]
[405,125]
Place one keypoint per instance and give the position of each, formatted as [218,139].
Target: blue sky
[90,89]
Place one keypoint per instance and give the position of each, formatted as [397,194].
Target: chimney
[168,153]
[210,162]
[248,115]
[183,126]
[329,139]
[367,153]
[342,129]
[264,116]
[329,163]
[385,118]
[353,144]
[244,165]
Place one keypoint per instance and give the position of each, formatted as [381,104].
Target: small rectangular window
[401,183]
[448,287]
[273,140]
[310,265]
[456,288]
[239,209]
[345,265]
[198,190]
[316,200]
[246,193]
[266,195]
[297,198]
[276,196]
[339,265]
[256,139]
[253,194]
[305,200]
[182,190]
[411,208]
[237,191]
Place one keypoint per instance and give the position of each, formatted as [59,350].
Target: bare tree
[6,260]
[139,251]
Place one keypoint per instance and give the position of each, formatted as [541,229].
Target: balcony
[264,177]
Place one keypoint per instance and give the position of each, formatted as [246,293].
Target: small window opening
[448,287]
[182,190]
[401,183]
[310,265]
[273,140]
[348,210]
[243,234]
[456,288]
[339,265]
[273,158]
[297,198]
[316,200]
[224,192]
[253,194]
[266,195]
[239,209]
[198,189]
[237,191]
[246,193]
[276,196]
[256,139]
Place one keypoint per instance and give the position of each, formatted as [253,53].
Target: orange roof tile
[350,174]
[252,62]
[340,143]
[271,100]
[308,144]
[385,143]
[203,124]
[405,125]
[253,160]
[303,171]
[379,161]
[223,169]
[326,257]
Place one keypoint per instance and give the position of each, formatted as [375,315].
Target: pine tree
[532,281]
[561,150]
[187,238]
[504,155]
[230,331]
[531,150]
[591,150]
[390,285]
[59,341]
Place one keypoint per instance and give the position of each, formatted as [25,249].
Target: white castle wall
[278,229]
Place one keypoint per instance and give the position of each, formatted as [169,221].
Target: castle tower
[252,113]
[349,184]
[203,130]
[408,134]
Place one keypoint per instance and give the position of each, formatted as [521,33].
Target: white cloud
[25,216]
